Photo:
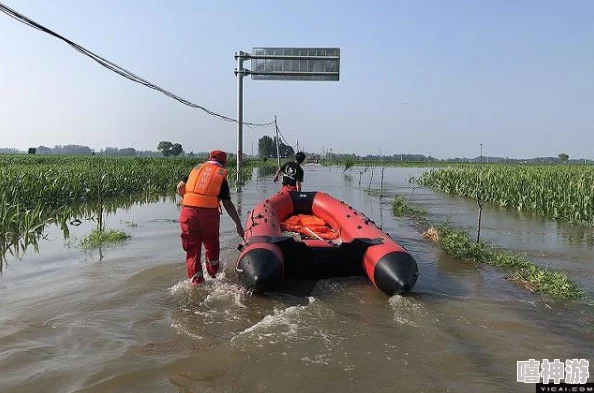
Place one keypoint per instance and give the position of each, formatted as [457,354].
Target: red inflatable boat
[311,235]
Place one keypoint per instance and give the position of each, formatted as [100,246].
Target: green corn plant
[555,191]
[37,190]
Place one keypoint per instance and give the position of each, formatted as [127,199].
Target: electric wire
[120,70]
[282,137]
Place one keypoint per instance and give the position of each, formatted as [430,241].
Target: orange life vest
[204,185]
[306,224]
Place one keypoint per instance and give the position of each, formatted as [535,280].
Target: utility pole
[277,148]
[481,152]
[239,71]
[252,148]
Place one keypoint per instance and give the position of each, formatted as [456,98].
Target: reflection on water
[133,324]
[16,244]
[265,171]
[576,234]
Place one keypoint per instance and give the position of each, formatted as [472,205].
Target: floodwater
[124,319]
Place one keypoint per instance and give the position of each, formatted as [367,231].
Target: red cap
[218,155]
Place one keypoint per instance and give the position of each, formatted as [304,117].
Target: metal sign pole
[277,142]
[240,73]
[305,64]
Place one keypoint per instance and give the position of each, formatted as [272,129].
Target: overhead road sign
[309,64]
[295,64]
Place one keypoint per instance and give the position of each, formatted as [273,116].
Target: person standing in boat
[202,190]
[292,174]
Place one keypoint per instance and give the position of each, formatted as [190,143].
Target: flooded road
[124,319]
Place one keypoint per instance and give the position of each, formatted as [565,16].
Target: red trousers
[287,187]
[199,225]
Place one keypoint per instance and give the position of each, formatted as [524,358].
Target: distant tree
[111,151]
[44,150]
[31,150]
[176,149]
[165,148]
[563,157]
[266,147]
[73,149]
[285,151]
[191,154]
[128,151]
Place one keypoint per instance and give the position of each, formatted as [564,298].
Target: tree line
[267,148]
[164,148]
[85,151]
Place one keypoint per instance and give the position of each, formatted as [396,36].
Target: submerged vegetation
[456,242]
[564,192]
[99,237]
[386,163]
[402,207]
[38,190]
[348,164]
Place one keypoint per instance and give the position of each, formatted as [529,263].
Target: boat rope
[254,223]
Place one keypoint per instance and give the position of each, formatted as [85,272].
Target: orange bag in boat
[293,220]
[325,233]
[304,219]
[330,235]
[318,229]
[304,223]
[312,221]
[291,228]
[292,224]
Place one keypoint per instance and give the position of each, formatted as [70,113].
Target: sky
[418,76]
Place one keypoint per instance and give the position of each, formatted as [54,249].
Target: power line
[282,137]
[294,147]
[117,69]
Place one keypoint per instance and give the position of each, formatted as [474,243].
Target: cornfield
[560,192]
[37,190]
[62,180]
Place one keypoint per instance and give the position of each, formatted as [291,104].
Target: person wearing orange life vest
[292,174]
[202,190]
